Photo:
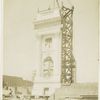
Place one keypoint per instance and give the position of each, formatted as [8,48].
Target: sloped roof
[16,81]
[12,80]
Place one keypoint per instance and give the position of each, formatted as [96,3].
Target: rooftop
[15,81]
[47,14]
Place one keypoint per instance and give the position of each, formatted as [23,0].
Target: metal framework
[67,58]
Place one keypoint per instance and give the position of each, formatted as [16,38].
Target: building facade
[47,27]
[56,67]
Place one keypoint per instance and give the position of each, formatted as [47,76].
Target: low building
[78,91]
[16,85]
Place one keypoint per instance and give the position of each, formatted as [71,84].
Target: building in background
[16,86]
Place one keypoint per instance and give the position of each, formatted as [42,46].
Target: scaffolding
[67,58]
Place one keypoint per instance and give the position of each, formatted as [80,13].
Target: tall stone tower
[53,29]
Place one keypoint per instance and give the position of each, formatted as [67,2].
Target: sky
[19,41]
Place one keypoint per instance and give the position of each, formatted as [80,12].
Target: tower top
[46,15]
[55,3]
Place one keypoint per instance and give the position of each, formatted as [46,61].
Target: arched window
[48,66]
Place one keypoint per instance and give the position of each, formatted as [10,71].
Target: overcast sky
[20,54]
